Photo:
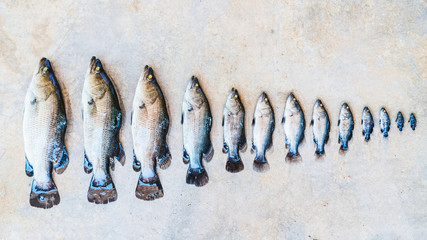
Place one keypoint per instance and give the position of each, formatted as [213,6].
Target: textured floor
[370,53]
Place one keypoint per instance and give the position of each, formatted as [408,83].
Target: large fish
[367,123]
[196,123]
[294,125]
[44,126]
[412,121]
[233,120]
[102,119]
[400,121]
[263,126]
[321,127]
[150,125]
[345,127]
[384,122]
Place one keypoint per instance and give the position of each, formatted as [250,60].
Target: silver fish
[196,120]
[233,121]
[345,127]
[412,121]
[150,125]
[384,122]
[367,123]
[263,126]
[400,121]
[101,123]
[294,125]
[44,126]
[321,127]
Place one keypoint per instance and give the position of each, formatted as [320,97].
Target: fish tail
[319,153]
[293,157]
[197,176]
[164,158]
[44,195]
[385,134]
[260,164]
[102,191]
[148,188]
[234,164]
[343,148]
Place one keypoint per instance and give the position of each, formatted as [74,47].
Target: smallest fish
[367,123]
[400,121]
[384,122]
[412,121]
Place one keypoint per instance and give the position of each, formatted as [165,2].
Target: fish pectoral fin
[62,162]
[87,165]
[120,154]
[222,124]
[283,119]
[136,163]
[311,122]
[185,156]
[28,168]
[209,152]
[339,121]
[253,148]
[141,105]
[164,157]
[242,143]
[131,118]
[253,121]
[224,147]
[112,163]
[182,117]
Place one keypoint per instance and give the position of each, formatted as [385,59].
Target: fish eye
[150,76]
[321,105]
[97,69]
[45,70]
[294,99]
[347,107]
[235,96]
[197,84]
[266,99]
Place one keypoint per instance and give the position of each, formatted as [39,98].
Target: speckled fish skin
[400,121]
[263,125]
[294,125]
[321,127]
[150,125]
[384,122]
[233,121]
[196,125]
[345,127]
[101,123]
[412,121]
[44,126]
[367,123]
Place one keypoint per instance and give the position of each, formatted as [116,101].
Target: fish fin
[381,130]
[44,195]
[149,189]
[293,157]
[197,176]
[283,119]
[185,156]
[242,144]
[385,134]
[224,147]
[339,121]
[343,148]
[102,192]
[131,118]
[367,137]
[182,118]
[314,140]
[260,164]
[208,153]
[87,165]
[234,164]
[350,135]
[311,122]
[327,134]
[112,163]
[339,139]
[253,148]
[222,121]
[136,163]
[253,121]
[28,168]
[361,122]
[120,154]
[61,164]
[164,158]
[319,153]
[302,137]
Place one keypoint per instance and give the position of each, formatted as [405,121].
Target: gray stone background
[363,52]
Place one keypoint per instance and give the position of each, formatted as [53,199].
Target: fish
[102,120]
[367,123]
[233,121]
[400,121]
[384,122]
[196,120]
[345,127]
[412,121]
[294,125]
[321,127]
[150,125]
[263,125]
[44,127]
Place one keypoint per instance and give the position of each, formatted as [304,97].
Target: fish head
[292,103]
[366,110]
[383,111]
[233,103]
[42,83]
[345,111]
[263,104]
[95,85]
[194,94]
[319,108]
[146,89]
[148,75]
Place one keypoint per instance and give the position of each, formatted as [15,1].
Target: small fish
[262,130]
[384,122]
[321,127]
[102,120]
[294,125]
[345,127]
[44,126]
[412,121]
[150,125]
[367,123]
[196,120]
[400,121]
[233,121]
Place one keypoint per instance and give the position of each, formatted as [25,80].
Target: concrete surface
[362,52]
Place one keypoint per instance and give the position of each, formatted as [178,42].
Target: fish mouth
[194,82]
[345,105]
[234,94]
[263,97]
[318,102]
[95,65]
[366,109]
[148,73]
[383,110]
